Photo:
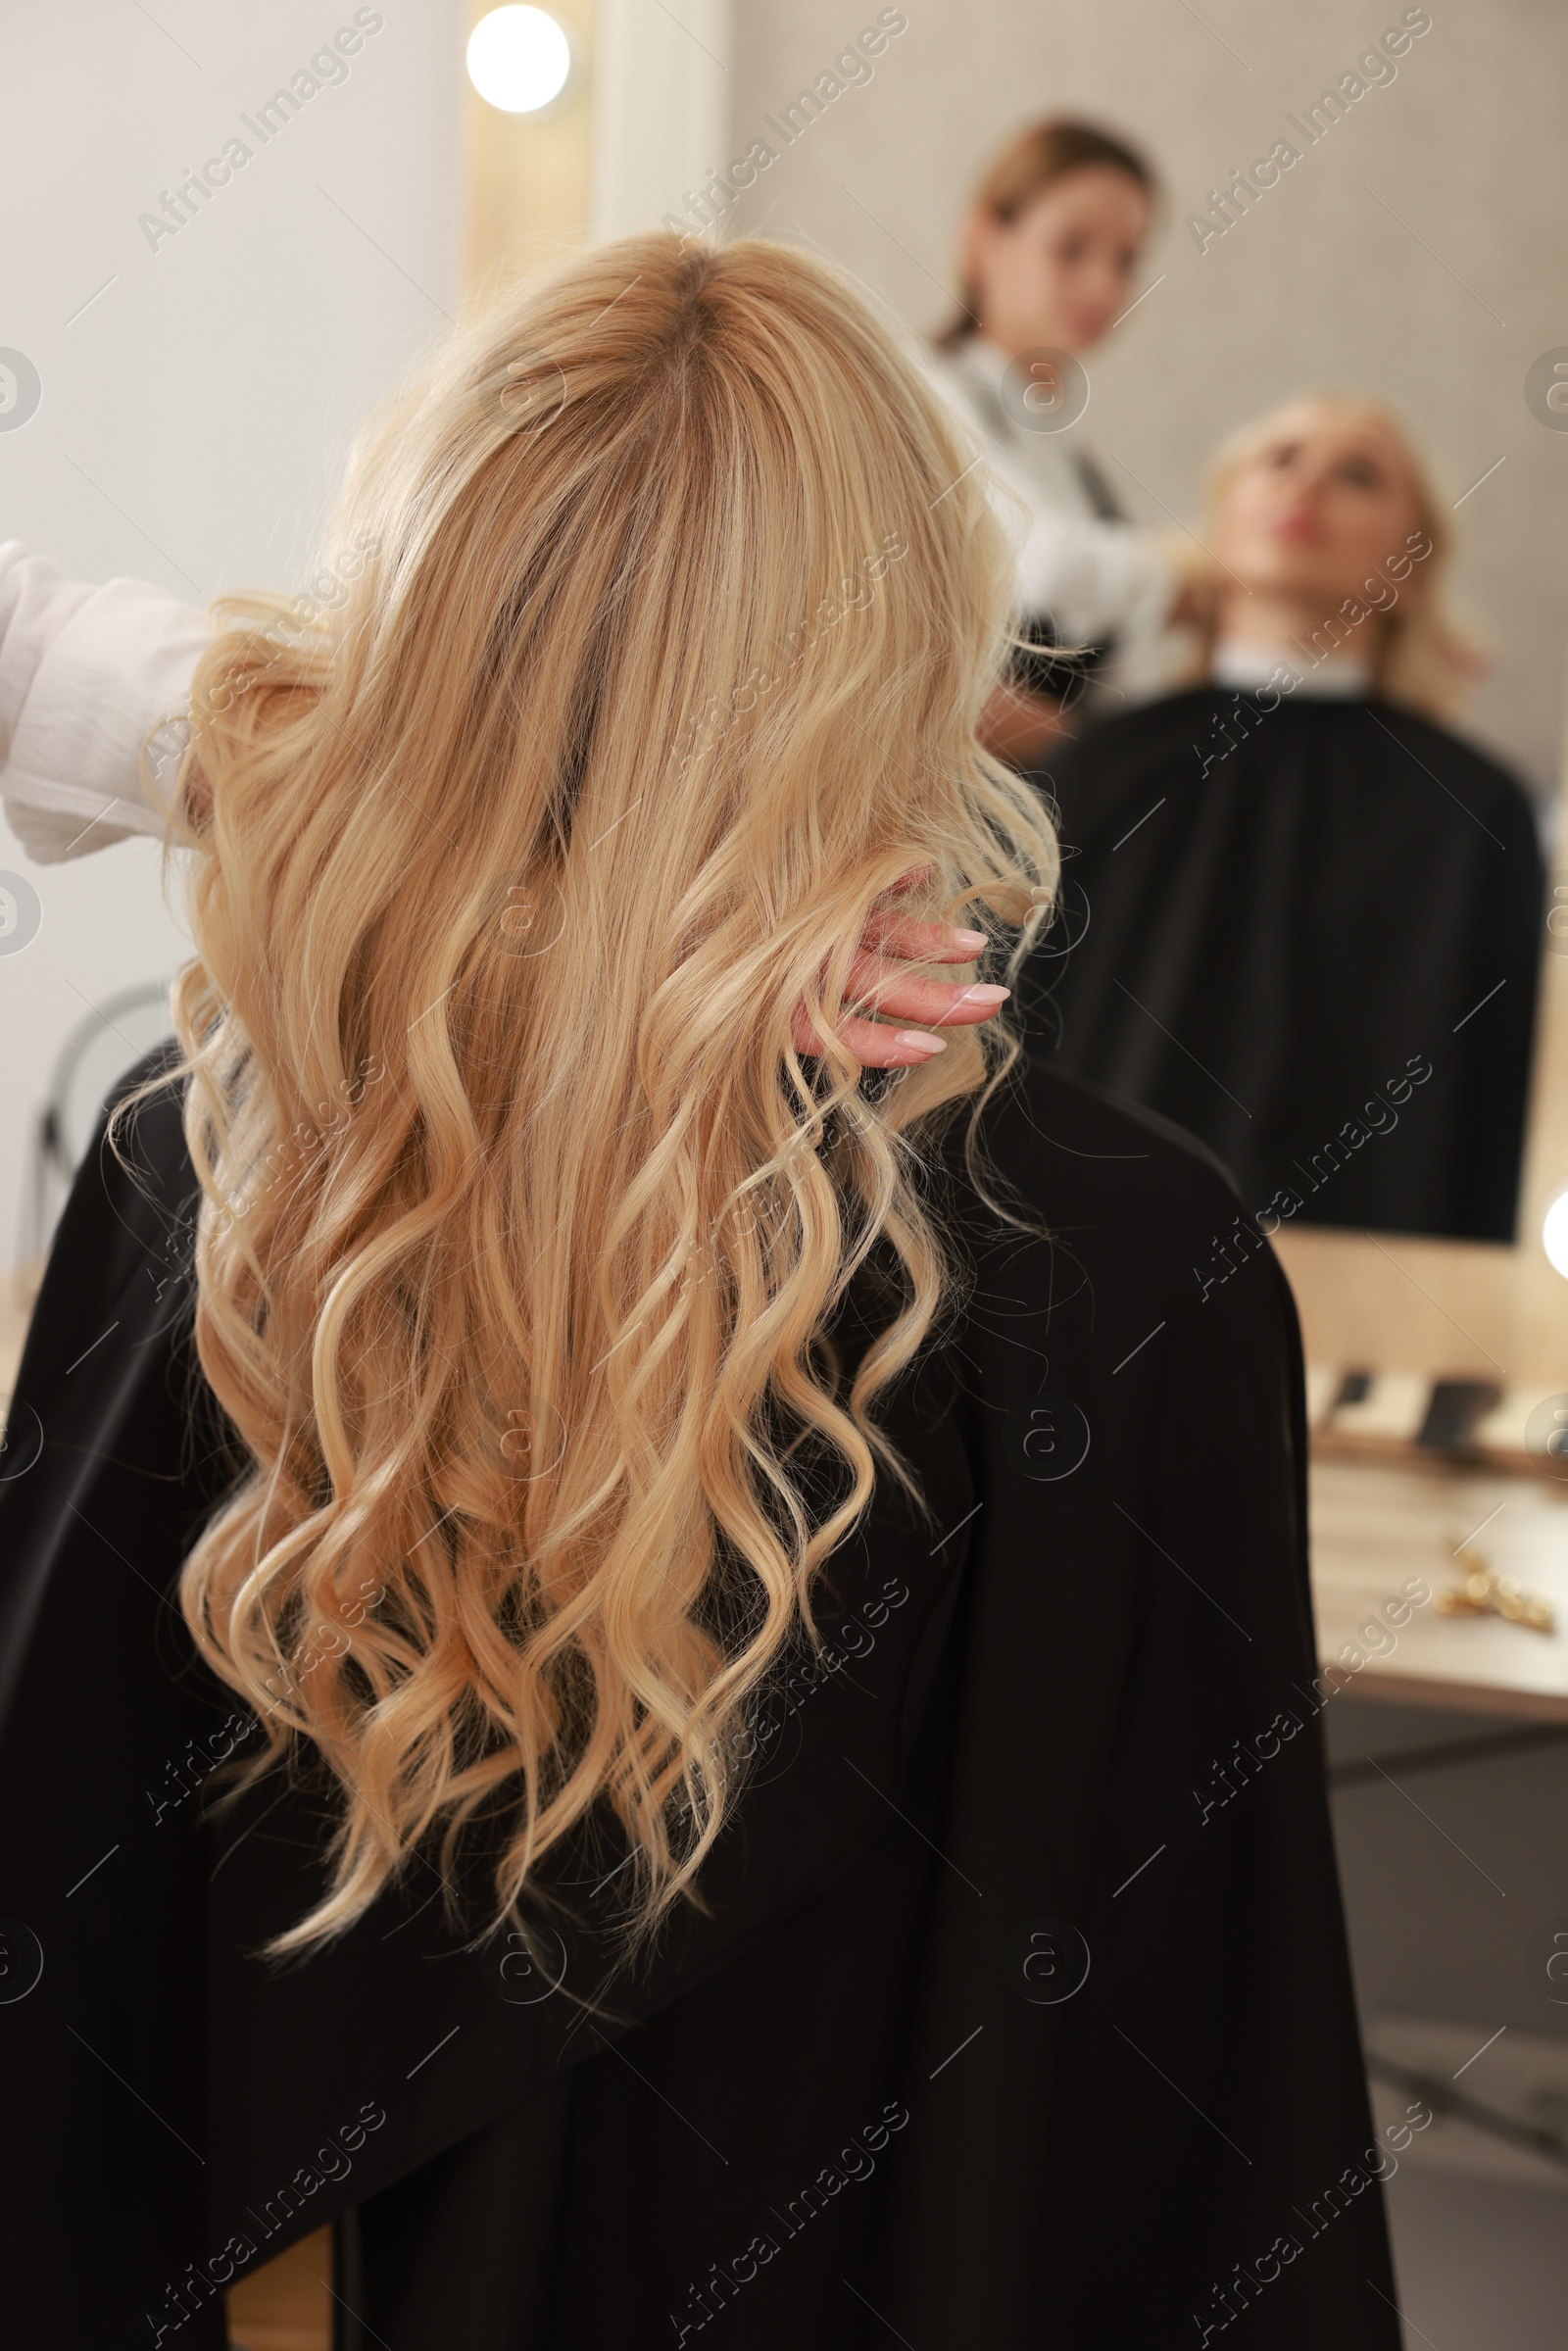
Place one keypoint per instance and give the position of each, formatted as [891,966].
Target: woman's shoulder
[131,1207]
[1122,1314]
[1120,1188]
[1461,760]
[952,373]
[151,1136]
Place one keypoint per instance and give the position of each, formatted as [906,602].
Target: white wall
[1320,284]
[194,414]
[662,101]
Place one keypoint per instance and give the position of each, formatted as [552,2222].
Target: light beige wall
[1319,285]
[197,391]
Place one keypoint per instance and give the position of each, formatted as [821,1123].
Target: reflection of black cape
[875,2080]
[1269,940]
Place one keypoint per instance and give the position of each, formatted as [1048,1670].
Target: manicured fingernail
[982,996]
[922,1041]
[968,938]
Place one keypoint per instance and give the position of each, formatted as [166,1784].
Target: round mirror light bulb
[1555,1233]
[518,59]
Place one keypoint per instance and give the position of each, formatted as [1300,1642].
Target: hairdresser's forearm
[86,674]
[1096,579]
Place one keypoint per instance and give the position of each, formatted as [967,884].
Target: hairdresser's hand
[1022,726]
[1190,608]
[889,940]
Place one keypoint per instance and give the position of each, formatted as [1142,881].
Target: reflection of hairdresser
[1051,244]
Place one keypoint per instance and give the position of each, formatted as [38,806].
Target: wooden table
[1376,1523]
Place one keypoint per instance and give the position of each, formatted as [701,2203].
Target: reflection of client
[1298,896]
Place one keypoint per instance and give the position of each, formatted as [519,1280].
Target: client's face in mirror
[1064,268]
[1310,513]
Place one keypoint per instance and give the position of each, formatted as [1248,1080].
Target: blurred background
[197,388]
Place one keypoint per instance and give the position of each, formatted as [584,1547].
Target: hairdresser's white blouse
[1096,579]
[86,675]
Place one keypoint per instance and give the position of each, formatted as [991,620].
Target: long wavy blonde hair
[664,609]
[1424,655]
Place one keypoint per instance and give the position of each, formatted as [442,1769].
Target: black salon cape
[1007,2026]
[1264,947]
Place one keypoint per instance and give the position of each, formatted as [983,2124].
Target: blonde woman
[1308,910]
[605,1689]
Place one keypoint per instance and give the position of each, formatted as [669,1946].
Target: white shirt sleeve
[86,674]
[1094,579]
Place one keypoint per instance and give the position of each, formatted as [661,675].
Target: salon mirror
[1342,208]
[1348,261]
